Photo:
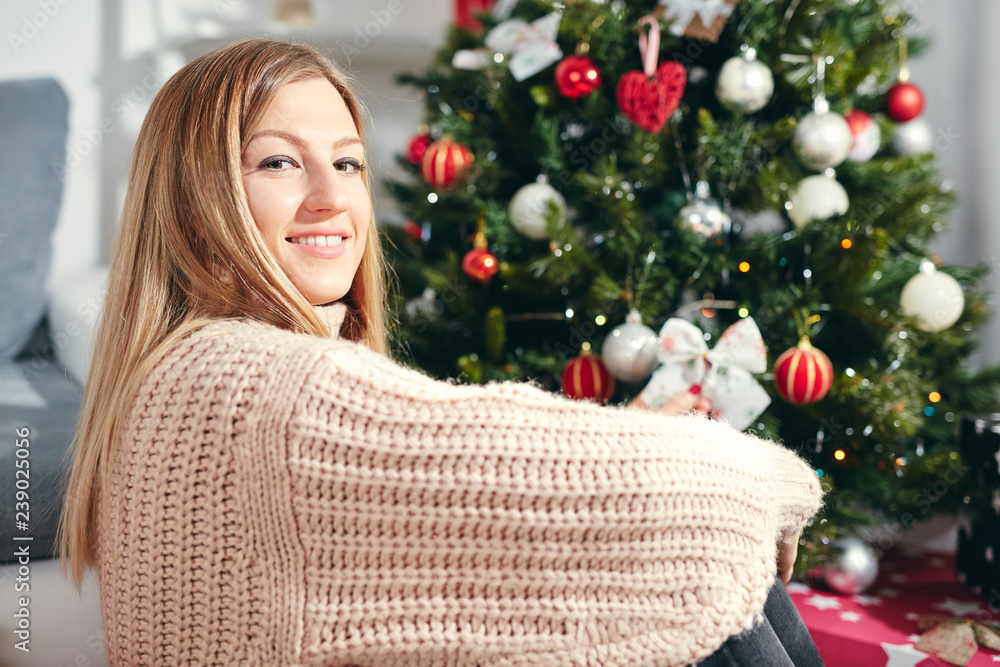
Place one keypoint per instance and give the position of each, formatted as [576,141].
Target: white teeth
[318,240]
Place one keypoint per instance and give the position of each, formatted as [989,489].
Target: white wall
[960,81]
[61,38]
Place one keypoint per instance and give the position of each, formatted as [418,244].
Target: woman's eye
[277,163]
[350,165]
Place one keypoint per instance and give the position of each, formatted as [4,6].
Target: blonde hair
[188,252]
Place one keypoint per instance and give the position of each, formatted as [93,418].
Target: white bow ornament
[724,373]
[532,47]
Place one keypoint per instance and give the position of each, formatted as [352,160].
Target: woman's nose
[327,191]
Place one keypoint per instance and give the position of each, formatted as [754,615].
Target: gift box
[882,627]
[976,566]
[979,440]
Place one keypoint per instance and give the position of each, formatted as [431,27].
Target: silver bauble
[423,309]
[744,83]
[914,137]
[816,197]
[822,140]
[704,215]
[934,298]
[851,567]
[629,351]
[530,206]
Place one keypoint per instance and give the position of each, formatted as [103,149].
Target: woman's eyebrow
[300,143]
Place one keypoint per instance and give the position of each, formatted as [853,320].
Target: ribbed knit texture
[282,499]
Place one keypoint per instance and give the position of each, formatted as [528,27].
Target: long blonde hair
[188,252]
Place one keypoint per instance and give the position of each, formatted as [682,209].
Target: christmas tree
[593,172]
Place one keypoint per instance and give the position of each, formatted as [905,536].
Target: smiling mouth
[321,241]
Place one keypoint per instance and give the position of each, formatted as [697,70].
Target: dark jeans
[781,640]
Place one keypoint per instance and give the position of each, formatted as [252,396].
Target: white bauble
[530,206]
[629,351]
[934,298]
[822,140]
[744,83]
[916,136]
[866,137]
[851,567]
[817,197]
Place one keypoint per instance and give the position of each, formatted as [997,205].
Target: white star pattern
[996,658]
[913,616]
[902,655]
[850,616]
[797,587]
[958,607]
[913,638]
[866,600]
[824,602]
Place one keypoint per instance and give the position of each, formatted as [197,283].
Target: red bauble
[803,374]
[577,77]
[648,102]
[480,265]
[445,163]
[415,231]
[904,102]
[586,377]
[417,147]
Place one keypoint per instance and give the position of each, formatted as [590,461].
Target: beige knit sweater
[280,499]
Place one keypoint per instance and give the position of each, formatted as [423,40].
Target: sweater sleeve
[501,524]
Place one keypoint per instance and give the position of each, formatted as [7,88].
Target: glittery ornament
[745,83]
[703,215]
[822,140]
[630,350]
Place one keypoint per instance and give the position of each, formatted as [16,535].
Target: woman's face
[302,171]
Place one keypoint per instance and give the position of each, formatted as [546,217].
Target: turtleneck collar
[333,315]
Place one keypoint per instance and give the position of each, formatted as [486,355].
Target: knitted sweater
[283,499]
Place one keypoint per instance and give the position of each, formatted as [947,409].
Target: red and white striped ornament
[445,162]
[803,374]
[587,377]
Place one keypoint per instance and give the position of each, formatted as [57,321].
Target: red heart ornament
[649,102]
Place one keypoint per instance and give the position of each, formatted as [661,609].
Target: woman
[257,483]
